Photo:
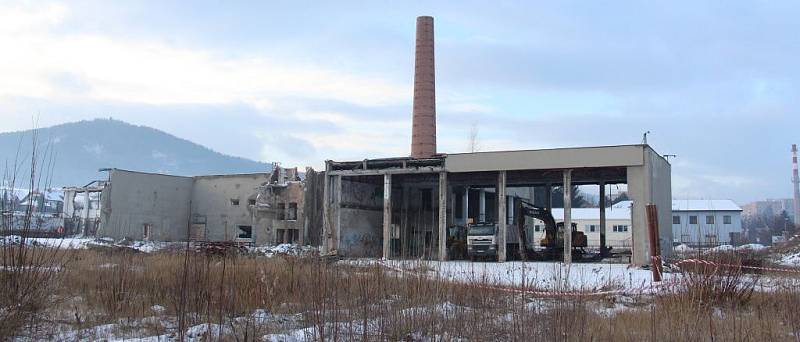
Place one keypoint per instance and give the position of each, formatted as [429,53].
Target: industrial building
[258,208]
[706,223]
[412,207]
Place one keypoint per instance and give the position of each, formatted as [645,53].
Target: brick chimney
[423,130]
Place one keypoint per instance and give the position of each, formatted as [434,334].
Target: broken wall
[288,212]
[134,199]
[312,206]
[361,219]
[221,204]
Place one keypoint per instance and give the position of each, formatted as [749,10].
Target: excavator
[553,241]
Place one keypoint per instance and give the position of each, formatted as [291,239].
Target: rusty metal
[655,244]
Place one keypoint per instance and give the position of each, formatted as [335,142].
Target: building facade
[257,208]
[618,225]
[706,222]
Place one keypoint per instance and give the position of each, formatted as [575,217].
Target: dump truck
[481,240]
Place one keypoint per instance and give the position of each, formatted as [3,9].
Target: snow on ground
[722,248]
[540,275]
[751,247]
[145,246]
[792,259]
[283,249]
[65,243]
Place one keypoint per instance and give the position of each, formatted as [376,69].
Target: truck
[481,240]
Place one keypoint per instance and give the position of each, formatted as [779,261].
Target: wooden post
[655,244]
[387,216]
[442,216]
[567,216]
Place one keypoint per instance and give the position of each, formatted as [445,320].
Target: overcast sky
[300,82]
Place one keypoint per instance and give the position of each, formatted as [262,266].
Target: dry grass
[340,301]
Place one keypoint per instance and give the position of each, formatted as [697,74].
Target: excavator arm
[528,209]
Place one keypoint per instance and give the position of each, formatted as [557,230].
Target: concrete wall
[661,195]
[361,229]
[650,183]
[211,202]
[562,158]
[293,192]
[134,199]
[312,206]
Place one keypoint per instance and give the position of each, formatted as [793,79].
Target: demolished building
[254,208]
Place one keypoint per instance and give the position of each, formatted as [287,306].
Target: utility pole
[796,182]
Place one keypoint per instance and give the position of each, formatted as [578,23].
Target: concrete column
[442,216]
[465,205]
[337,215]
[567,216]
[603,247]
[69,204]
[482,205]
[405,236]
[501,216]
[86,213]
[387,215]
[326,214]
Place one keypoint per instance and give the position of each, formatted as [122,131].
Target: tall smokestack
[796,181]
[423,131]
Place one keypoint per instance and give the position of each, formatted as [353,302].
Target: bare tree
[28,273]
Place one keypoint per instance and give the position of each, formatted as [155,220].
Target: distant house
[48,202]
[694,222]
[618,225]
[706,222]
[31,212]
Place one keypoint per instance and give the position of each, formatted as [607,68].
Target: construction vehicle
[481,240]
[553,241]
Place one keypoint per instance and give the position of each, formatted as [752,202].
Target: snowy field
[146,246]
[539,275]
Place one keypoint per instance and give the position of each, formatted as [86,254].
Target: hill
[81,148]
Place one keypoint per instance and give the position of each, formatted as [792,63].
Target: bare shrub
[28,274]
[722,279]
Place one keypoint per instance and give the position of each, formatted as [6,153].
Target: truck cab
[481,240]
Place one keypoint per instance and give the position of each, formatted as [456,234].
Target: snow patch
[751,247]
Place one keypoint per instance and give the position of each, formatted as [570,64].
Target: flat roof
[556,158]
[199,176]
[612,156]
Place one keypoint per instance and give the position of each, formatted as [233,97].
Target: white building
[694,222]
[706,222]
[618,225]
